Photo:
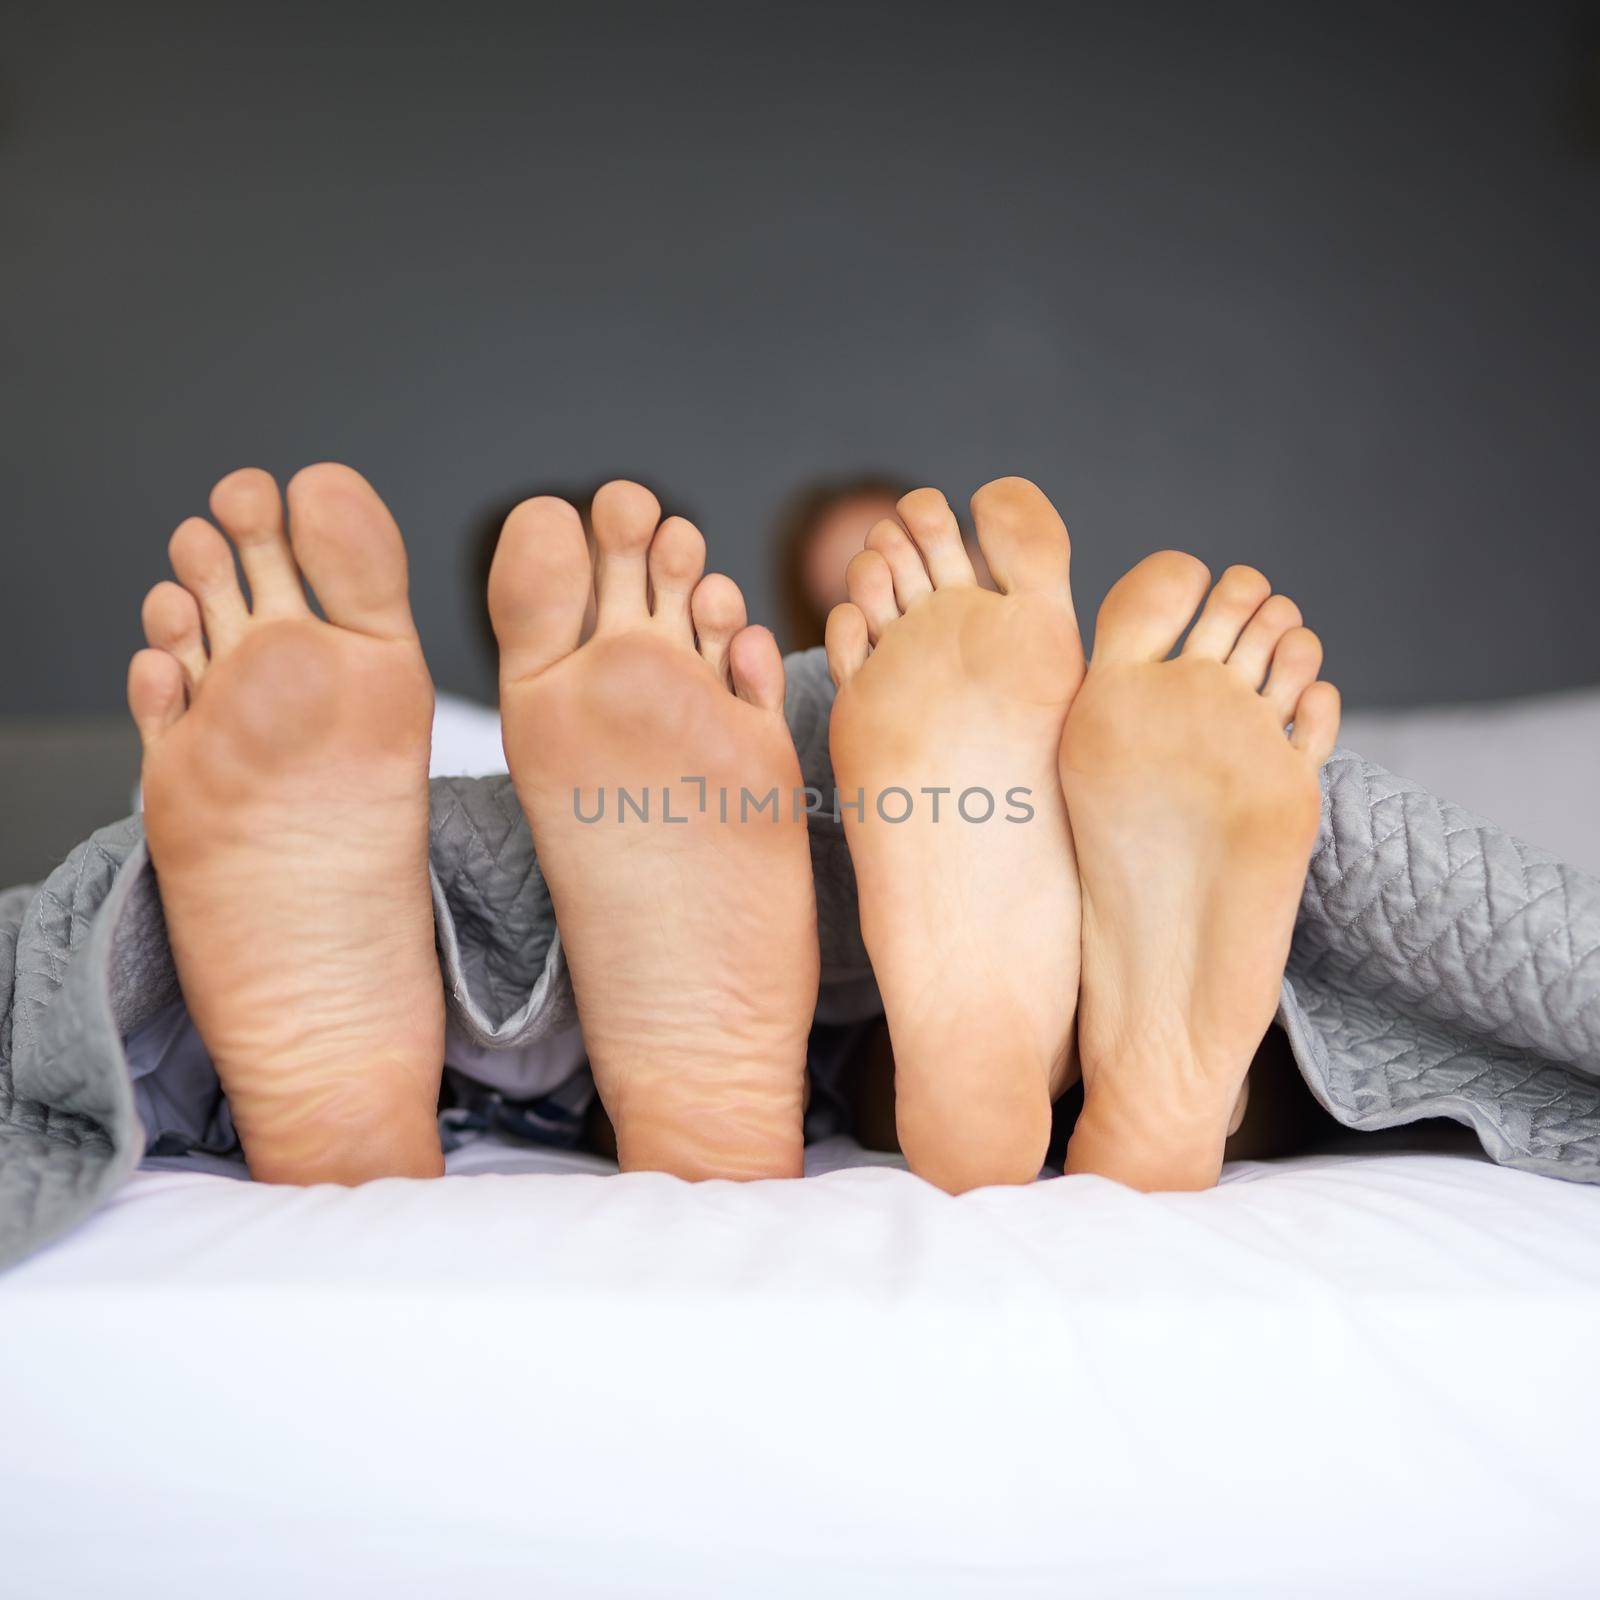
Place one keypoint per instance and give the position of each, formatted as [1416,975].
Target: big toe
[539,586]
[1023,538]
[349,548]
[1145,613]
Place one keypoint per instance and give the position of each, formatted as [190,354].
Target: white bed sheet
[1368,1373]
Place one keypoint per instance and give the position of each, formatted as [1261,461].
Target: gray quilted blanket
[1440,968]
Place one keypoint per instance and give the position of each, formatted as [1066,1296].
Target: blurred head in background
[821,527]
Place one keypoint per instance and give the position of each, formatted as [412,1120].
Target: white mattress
[1343,1374]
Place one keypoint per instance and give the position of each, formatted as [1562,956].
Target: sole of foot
[1195,812]
[946,729]
[285,779]
[660,784]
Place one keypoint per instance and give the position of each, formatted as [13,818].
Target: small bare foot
[660,783]
[969,903]
[1194,817]
[286,809]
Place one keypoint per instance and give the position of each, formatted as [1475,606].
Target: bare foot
[691,930]
[969,912]
[1194,818]
[286,809]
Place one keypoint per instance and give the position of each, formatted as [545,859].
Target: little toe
[539,586]
[847,642]
[1145,613]
[932,525]
[1237,597]
[1253,653]
[625,517]
[203,562]
[350,550]
[1316,721]
[171,619]
[155,693]
[756,665]
[1295,664]
[717,609]
[250,509]
[893,543]
[676,563]
[1023,539]
[870,586]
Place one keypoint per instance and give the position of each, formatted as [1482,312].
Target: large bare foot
[1194,818]
[286,809]
[969,904]
[641,757]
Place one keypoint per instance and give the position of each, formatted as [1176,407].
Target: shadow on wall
[1307,286]
[1583,100]
[822,526]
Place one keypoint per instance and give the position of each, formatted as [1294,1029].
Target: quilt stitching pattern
[1439,968]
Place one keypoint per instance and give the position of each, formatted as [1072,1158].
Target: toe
[1237,597]
[625,516]
[1295,664]
[250,509]
[350,550]
[870,586]
[1253,653]
[204,564]
[1145,613]
[677,560]
[155,693]
[932,525]
[717,610]
[847,642]
[893,543]
[756,665]
[1316,722]
[1023,538]
[171,621]
[539,586]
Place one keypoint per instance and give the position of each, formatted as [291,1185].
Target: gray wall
[1312,287]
